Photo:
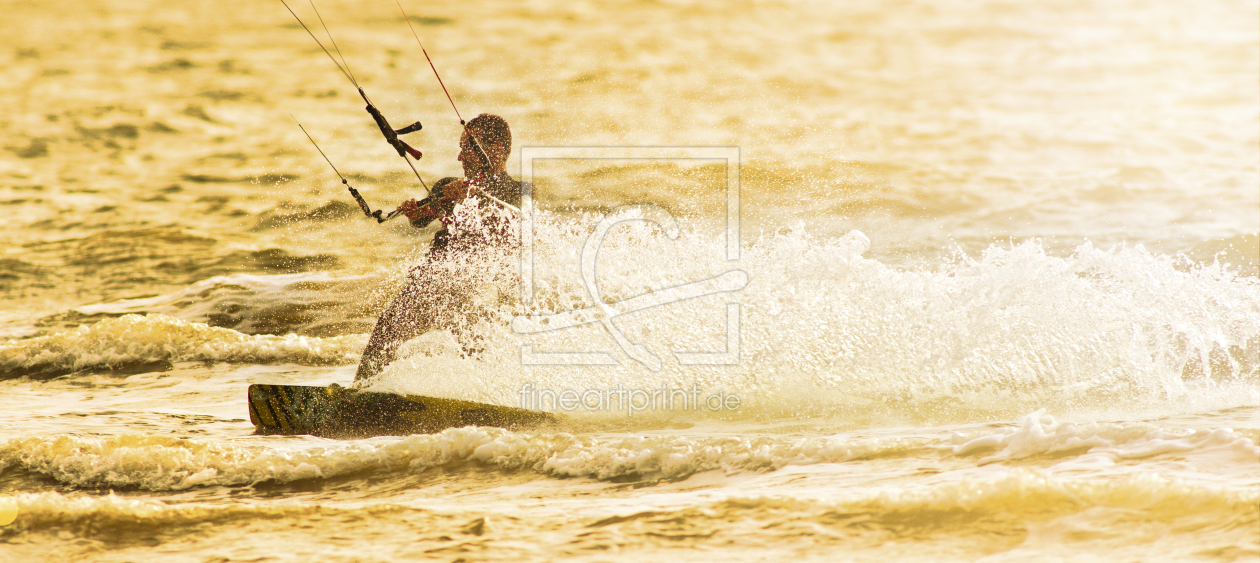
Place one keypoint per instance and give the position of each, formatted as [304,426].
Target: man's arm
[419,214]
[446,192]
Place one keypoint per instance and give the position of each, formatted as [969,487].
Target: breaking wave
[1010,505]
[1039,436]
[979,514]
[164,464]
[131,340]
[823,329]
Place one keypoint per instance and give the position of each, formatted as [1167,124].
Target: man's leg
[436,296]
[415,311]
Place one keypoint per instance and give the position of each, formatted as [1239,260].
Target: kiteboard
[338,412]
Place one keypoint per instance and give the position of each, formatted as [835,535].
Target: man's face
[468,156]
[471,158]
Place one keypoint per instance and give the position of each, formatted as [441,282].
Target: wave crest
[131,340]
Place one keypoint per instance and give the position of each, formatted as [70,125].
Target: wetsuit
[437,292]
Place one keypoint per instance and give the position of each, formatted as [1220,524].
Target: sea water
[980,281]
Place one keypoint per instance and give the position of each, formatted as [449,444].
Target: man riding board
[437,292]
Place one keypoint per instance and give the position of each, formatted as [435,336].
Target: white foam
[1040,435]
[823,327]
[160,463]
[137,339]
[1032,493]
[163,463]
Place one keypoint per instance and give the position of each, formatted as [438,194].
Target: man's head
[495,137]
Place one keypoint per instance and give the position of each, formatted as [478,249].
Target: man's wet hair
[493,130]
